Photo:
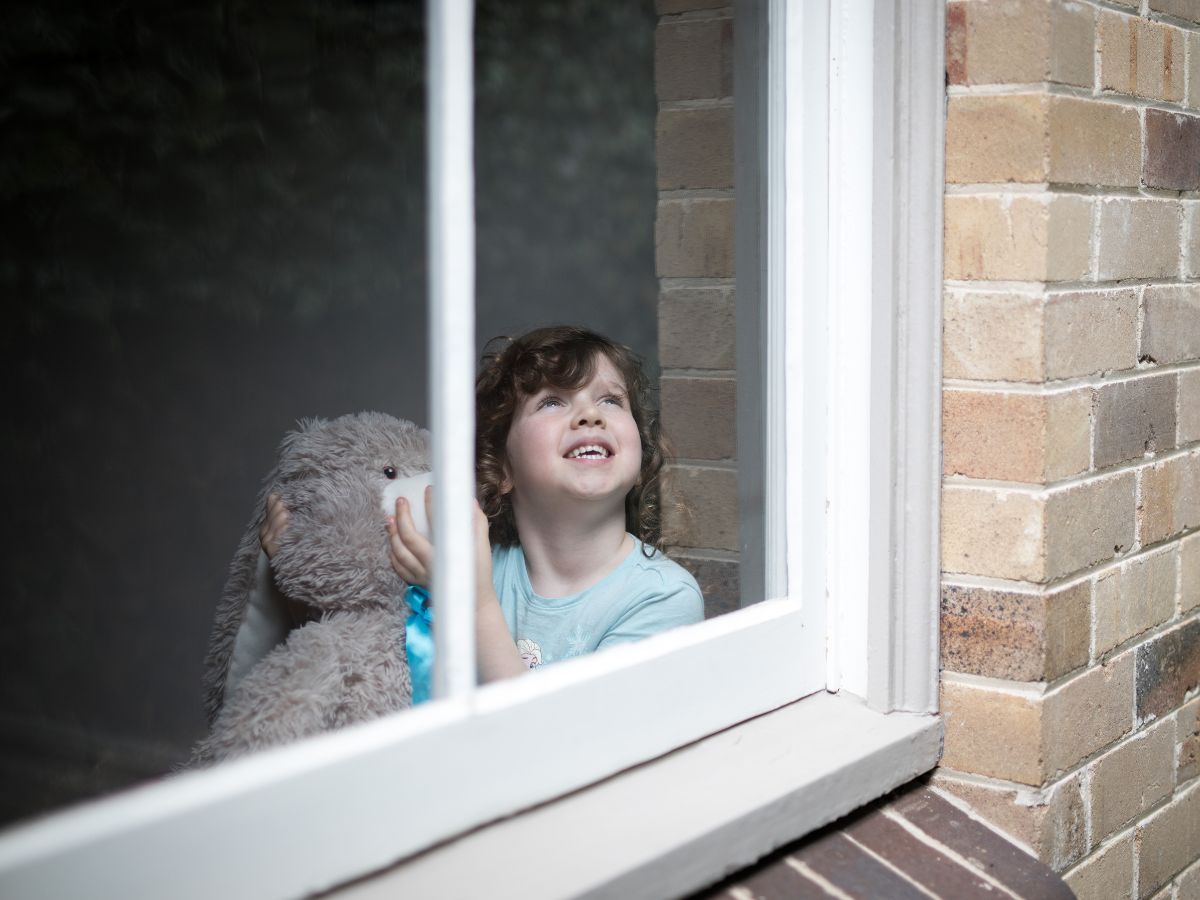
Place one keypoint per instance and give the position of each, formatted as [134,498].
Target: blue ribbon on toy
[418,640]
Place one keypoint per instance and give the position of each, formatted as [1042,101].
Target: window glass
[214,227]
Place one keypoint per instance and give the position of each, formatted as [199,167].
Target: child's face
[575,446]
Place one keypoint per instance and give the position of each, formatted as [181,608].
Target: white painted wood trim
[303,818]
[801,188]
[450,74]
[681,822]
[909,182]
[853,426]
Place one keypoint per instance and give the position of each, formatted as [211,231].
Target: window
[846,334]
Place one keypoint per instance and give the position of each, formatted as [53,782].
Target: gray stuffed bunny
[265,685]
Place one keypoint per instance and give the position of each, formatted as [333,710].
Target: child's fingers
[274,522]
[404,563]
[429,505]
[407,529]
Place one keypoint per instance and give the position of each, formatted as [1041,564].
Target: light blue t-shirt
[642,596]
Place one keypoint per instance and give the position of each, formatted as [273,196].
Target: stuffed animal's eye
[389,471]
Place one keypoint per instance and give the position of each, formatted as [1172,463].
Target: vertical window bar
[452,338]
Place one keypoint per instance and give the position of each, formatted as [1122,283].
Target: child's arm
[412,558]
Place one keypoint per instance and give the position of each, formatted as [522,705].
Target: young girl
[568,467]
[569,460]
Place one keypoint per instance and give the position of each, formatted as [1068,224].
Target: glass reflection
[215,227]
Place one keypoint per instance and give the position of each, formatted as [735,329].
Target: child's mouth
[589,451]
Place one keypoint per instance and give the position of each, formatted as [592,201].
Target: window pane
[216,228]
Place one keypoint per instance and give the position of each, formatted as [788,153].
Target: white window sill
[685,820]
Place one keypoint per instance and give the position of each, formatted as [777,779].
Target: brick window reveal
[1071,503]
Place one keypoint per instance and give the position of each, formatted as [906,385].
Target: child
[568,467]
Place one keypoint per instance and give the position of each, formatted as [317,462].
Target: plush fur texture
[348,664]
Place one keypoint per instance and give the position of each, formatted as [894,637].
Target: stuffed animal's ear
[265,624]
[333,554]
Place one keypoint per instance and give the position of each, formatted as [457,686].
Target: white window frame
[483,772]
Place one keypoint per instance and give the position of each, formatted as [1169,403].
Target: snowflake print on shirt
[577,643]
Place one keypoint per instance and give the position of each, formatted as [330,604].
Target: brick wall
[694,250]
[1071,503]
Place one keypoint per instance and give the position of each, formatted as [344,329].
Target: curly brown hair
[564,357]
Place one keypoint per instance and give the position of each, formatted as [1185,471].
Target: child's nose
[590,416]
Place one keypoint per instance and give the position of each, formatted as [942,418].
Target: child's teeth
[589,450]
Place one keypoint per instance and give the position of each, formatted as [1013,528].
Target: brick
[994,733]
[1033,338]
[1133,778]
[718,581]
[1020,238]
[699,416]
[694,238]
[1090,332]
[1018,636]
[1072,51]
[1140,57]
[700,508]
[1191,229]
[1036,137]
[1189,573]
[976,845]
[1106,874]
[1188,426]
[988,531]
[1168,842]
[957,42]
[1015,437]
[1187,886]
[674,7]
[1168,666]
[1170,497]
[697,328]
[694,148]
[1036,536]
[1019,41]
[1088,523]
[1172,158]
[1138,239]
[1088,713]
[1180,9]
[996,138]
[1171,327]
[693,59]
[1135,418]
[1187,733]
[1092,142]
[1193,70]
[1051,821]
[993,336]
[1133,598]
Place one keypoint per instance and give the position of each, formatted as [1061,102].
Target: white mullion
[850,300]
[452,338]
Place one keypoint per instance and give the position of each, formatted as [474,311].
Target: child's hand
[273,526]
[411,553]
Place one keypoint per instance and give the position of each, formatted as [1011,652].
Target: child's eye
[546,402]
[613,399]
